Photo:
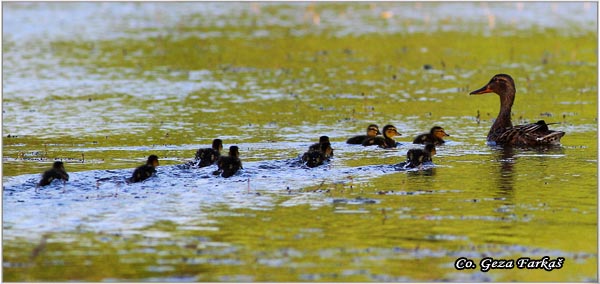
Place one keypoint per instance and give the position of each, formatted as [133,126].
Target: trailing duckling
[387,141]
[415,158]
[56,172]
[314,158]
[317,146]
[208,156]
[229,165]
[435,136]
[144,172]
[372,131]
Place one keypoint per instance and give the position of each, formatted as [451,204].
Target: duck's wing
[533,134]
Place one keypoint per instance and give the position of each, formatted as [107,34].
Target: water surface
[103,85]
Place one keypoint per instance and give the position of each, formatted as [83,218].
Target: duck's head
[373,130]
[430,148]
[438,132]
[324,139]
[501,84]
[58,165]
[326,148]
[152,161]
[217,144]
[390,131]
[234,151]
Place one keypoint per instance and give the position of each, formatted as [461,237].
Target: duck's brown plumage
[208,156]
[143,172]
[434,136]
[229,165]
[318,146]
[502,131]
[316,157]
[56,172]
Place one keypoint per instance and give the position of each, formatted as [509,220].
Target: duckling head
[234,151]
[152,161]
[373,130]
[438,132]
[217,145]
[58,165]
[324,139]
[390,131]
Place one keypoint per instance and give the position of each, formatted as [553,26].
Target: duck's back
[427,138]
[142,173]
[357,139]
[51,175]
[229,165]
[533,134]
[207,157]
[313,158]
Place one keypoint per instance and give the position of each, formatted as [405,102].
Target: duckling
[372,131]
[387,141]
[416,157]
[229,165]
[434,136]
[314,158]
[208,156]
[317,146]
[143,172]
[56,172]
[502,131]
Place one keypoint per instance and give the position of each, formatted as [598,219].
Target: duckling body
[317,146]
[434,136]
[144,172]
[372,131]
[208,156]
[229,165]
[415,158]
[56,172]
[314,158]
[502,131]
[387,141]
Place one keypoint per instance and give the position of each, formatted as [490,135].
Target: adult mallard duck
[143,172]
[229,165]
[435,136]
[502,131]
[372,131]
[415,158]
[387,141]
[208,156]
[317,146]
[56,172]
[314,158]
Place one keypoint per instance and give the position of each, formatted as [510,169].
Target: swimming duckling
[387,141]
[208,156]
[434,136]
[317,146]
[416,157]
[314,158]
[56,172]
[229,165]
[143,172]
[372,131]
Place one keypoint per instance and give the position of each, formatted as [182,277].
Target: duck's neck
[503,120]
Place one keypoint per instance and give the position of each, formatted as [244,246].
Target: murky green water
[272,78]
